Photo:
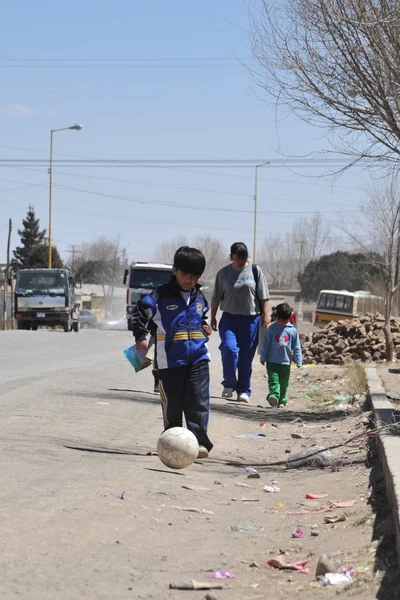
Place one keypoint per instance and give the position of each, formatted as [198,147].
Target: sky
[148,80]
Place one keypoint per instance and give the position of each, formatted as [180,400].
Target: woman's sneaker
[244,398]
[272,401]
[227,392]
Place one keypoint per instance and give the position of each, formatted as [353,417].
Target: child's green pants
[278,381]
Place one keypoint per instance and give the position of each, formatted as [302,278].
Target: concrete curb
[388,448]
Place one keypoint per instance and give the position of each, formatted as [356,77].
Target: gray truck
[45,298]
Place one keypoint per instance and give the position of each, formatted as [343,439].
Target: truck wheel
[35,327]
[20,325]
[75,326]
[27,326]
[66,327]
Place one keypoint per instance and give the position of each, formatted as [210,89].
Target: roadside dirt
[190,545]
[72,438]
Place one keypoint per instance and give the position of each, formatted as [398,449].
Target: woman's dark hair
[283,311]
[239,249]
[190,261]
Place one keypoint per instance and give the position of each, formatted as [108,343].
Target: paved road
[77,424]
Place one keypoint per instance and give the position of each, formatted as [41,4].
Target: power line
[168,204]
[132,59]
[184,188]
[214,173]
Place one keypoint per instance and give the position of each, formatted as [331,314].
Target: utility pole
[74,249]
[302,243]
[6,275]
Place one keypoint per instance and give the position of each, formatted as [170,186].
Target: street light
[75,127]
[255,208]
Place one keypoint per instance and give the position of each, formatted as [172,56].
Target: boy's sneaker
[244,398]
[203,452]
[227,392]
[272,401]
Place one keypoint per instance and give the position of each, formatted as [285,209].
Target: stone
[327,564]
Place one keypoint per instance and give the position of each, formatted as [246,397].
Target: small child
[280,342]
[179,310]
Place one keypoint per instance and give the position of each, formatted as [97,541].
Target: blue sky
[162,109]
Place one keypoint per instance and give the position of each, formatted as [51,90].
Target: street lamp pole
[256,208]
[75,127]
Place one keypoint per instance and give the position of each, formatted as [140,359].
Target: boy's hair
[239,249]
[190,261]
[283,311]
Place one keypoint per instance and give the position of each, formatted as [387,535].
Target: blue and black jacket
[180,339]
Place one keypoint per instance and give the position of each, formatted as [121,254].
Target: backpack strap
[254,268]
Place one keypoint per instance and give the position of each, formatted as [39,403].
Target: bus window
[322,301]
[348,304]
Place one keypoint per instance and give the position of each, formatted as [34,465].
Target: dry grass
[355,380]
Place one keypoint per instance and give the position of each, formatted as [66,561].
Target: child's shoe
[203,452]
[244,398]
[272,401]
[227,393]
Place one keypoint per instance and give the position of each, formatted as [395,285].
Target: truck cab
[45,297]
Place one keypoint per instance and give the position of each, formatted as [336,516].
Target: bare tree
[166,250]
[100,263]
[279,261]
[380,233]
[284,257]
[215,254]
[336,64]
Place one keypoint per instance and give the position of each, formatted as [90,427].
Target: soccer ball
[177,448]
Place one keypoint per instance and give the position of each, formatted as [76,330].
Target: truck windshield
[148,279]
[41,281]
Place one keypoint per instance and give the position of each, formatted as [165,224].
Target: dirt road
[78,425]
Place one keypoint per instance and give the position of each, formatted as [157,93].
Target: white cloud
[21,110]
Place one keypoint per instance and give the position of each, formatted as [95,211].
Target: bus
[336,305]
[142,278]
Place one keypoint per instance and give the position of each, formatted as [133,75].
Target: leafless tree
[100,263]
[214,252]
[166,250]
[336,64]
[380,232]
[284,257]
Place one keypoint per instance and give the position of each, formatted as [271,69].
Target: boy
[280,342]
[179,309]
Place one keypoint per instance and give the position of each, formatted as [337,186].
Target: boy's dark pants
[187,390]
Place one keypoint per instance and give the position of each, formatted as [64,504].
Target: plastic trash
[221,575]
[195,585]
[120,496]
[316,496]
[335,470]
[246,528]
[335,519]
[336,579]
[251,470]
[138,359]
[279,563]
[271,489]
[316,457]
[263,424]
[298,533]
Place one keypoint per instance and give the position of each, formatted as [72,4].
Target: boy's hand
[141,345]
[214,325]
[207,329]
[262,362]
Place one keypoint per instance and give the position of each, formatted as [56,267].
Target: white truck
[45,298]
[142,278]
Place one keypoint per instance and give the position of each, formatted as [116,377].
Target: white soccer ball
[177,448]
